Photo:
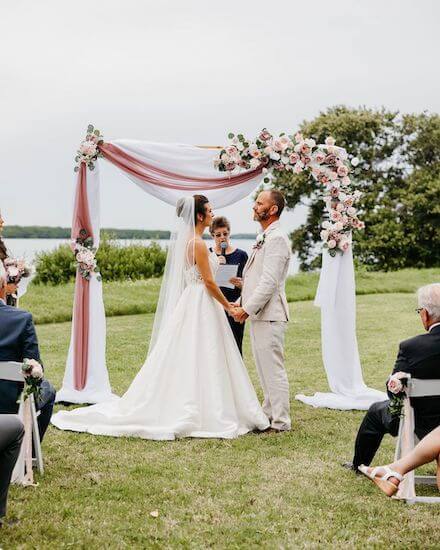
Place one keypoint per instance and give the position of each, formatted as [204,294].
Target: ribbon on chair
[407,486]
[23,473]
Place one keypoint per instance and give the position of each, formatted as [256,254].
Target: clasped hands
[237,313]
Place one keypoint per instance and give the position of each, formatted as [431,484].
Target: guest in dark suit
[18,341]
[221,233]
[11,436]
[420,357]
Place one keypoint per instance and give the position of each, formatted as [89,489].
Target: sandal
[382,481]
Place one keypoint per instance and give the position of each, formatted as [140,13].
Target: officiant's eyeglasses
[224,234]
[419,309]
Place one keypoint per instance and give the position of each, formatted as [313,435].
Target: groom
[264,301]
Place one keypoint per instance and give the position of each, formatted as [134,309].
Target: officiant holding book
[221,233]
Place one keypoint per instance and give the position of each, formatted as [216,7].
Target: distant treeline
[47,232]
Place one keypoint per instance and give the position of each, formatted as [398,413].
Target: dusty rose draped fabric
[164,178]
[81,220]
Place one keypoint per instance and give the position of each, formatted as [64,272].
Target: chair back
[423,388]
[11,371]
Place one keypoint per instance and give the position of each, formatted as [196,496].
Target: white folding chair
[12,371]
[407,439]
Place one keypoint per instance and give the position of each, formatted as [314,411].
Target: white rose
[354,161]
[37,372]
[254,163]
[275,156]
[310,143]
[331,243]
[330,141]
[351,211]
[326,225]
[338,226]
[324,234]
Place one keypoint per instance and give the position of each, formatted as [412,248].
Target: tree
[399,176]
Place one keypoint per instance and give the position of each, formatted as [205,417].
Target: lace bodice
[192,273]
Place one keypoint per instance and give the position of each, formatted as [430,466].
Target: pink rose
[231,150]
[277,145]
[298,168]
[330,159]
[335,216]
[349,201]
[264,135]
[294,158]
[340,207]
[334,192]
[319,157]
[395,384]
[305,149]
[298,137]
[331,243]
[351,211]
[342,171]
[346,180]
[88,148]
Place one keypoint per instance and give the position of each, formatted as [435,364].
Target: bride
[194,382]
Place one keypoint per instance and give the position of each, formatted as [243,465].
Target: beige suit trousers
[267,339]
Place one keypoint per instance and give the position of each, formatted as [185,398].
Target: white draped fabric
[189,160]
[98,387]
[337,299]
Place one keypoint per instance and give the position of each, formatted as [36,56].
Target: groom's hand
[240,315]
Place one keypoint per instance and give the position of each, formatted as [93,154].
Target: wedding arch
[226,175]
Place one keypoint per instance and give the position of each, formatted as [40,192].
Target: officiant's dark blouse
[238,257]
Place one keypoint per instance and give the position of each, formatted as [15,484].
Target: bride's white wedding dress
[193,383]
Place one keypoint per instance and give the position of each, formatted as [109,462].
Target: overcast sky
[189,71]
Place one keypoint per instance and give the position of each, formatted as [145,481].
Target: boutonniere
[261,237]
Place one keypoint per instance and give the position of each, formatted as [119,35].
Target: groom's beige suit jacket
[264,276]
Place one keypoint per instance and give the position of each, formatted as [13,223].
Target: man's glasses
[419,309]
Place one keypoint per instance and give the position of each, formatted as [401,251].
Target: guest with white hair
[420,357]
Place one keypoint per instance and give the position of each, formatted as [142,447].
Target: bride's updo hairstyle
[199,207]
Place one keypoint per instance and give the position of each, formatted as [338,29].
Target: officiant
[227,254]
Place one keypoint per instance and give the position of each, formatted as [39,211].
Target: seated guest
[18,341]
[420,357]
[221,232]
[11,436]
[388,478]
[11,288]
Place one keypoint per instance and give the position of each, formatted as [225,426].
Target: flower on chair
[33,376]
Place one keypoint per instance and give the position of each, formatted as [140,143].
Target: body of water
[28,248]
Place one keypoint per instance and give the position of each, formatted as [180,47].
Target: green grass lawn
[269,491]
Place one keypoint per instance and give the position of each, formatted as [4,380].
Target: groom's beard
[262,216]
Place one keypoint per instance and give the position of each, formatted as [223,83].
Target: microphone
[223,246]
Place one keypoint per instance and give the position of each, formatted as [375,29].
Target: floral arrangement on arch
[327,163]
[85,256]
[88,151]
